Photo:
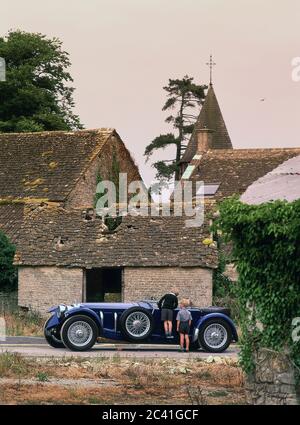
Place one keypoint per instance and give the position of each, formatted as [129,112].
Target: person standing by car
[184,320]
[167,304]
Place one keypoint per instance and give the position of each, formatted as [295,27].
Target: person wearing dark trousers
[184,321]
[167,305]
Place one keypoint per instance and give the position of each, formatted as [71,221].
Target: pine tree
[182,97]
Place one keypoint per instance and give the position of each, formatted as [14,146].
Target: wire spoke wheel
[215,335]
[80,333]
[137,324]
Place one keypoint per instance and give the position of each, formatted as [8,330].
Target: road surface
[38,347]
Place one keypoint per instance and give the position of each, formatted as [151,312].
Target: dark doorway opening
[104,285]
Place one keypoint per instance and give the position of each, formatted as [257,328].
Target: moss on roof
[34,163]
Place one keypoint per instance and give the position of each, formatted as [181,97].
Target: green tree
[182,97]
[37,94]
[8,273]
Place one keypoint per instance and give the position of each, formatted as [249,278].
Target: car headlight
[60,310]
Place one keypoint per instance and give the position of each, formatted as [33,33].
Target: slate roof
[282,183]
[55,236]
[46,165]
[237,169]
[210,117]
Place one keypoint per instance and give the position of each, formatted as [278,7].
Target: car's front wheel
[52,336]
[79,333]
[215,335]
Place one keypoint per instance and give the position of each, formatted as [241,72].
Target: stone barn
[64,252]
[63,257]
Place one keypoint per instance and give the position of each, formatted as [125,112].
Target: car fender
[203,319]
[53,321]
[52,309]
[85,312]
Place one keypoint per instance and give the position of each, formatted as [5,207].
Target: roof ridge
[61,132]
[251,149]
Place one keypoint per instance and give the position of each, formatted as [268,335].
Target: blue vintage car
[79,326]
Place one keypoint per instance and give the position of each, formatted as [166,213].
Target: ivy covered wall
[266,250]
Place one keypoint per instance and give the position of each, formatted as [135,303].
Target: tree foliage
[266,249]
[37,94]
[182,97]
[8,273]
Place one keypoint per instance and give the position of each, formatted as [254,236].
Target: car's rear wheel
[136,324]
[79,333]
[52,336]
[215,335]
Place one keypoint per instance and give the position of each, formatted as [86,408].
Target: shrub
[12,364]
[8,272]
[19,322]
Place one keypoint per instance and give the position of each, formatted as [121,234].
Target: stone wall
[231,272]
[148,282]
[42,287]
[273,381]
[83,193]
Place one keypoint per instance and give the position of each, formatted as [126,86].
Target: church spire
[211,119]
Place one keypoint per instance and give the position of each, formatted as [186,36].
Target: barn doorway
[104,285]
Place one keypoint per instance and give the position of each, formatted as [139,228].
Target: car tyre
[79,333]
[136,324]
[52,336]
[215,335]
[194,346]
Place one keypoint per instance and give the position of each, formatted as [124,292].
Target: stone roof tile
[236,169]
[55,236]
[46,165]
[210,117]
[11,218]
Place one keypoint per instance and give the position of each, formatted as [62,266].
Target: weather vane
[211,64]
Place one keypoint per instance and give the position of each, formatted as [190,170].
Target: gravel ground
[62,382]
[37,347]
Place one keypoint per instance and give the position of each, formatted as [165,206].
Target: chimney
[204,139]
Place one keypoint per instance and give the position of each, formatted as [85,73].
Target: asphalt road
[38,347]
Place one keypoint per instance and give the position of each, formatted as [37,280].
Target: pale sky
[124,51]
